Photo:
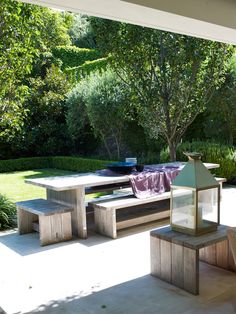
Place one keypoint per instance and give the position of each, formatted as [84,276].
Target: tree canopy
[102,99]
[172,76]
[26,31]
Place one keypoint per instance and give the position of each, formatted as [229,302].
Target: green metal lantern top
[193,155]
[194,174]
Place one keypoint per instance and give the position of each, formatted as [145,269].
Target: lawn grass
[12,184]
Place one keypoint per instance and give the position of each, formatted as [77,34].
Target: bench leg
[105,222]
[55,228]
[25,221]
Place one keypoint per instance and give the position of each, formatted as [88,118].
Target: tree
[26,32]
[172,76]
[17,30]
[102,97]
[81,32]
[45,131]
[223,105]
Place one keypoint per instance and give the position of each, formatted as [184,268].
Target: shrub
[59,162]
[212,152]
[77,73]
[45,132]
[103,99]
[7,213]
[72,56]
[78,164]
[25,164]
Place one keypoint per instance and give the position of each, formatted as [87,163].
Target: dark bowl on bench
[122,167]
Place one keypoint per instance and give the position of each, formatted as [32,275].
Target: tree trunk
[172,150]
[106,146]
[231,137]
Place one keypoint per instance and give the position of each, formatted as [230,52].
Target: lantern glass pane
[207,206]
[183,208]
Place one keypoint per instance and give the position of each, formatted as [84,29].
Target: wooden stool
[52,220]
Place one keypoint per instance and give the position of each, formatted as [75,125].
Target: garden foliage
[102,99]
[162,82]
[172,77]
[7,213]
[75,74]
[72,56]
[59,162]
[212,152]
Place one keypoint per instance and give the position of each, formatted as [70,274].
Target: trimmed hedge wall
[25,164]
[72,56]
[212,152]
[77,73]
[78,164]
[60,162]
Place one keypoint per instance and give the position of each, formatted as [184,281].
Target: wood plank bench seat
[108,221]
[52,220]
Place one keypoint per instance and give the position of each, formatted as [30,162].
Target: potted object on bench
[195,199]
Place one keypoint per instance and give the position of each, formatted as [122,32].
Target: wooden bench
[52,220]
[107,221]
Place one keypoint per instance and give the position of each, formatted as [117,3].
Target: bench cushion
[43,207]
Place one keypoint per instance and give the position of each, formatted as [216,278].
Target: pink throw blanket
[153,180]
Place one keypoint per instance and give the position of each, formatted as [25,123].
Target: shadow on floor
[151,295]
[27,244]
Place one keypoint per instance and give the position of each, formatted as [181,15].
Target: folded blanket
[153,180]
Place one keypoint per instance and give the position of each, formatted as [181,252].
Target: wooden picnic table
[71,189]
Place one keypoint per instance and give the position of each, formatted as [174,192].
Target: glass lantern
[195,199]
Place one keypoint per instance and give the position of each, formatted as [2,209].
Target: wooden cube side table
[175,256]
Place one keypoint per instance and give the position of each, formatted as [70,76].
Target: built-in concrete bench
[108,222]
[52,220]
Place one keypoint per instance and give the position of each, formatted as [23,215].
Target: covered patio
[100,275]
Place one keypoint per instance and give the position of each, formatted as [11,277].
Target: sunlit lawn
[12,184]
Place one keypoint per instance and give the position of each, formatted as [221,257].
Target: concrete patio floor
[100,275]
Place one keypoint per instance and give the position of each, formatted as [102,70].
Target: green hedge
[25,164]
[78,164]
[77,73]
[63,163]
[72,56]
[212,152]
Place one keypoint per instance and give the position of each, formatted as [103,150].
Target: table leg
[76,199]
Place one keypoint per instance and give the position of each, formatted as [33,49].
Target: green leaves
[27,33]
[172,76]
[100,99]
[7,213]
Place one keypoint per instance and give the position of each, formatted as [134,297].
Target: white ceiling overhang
[209,19]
